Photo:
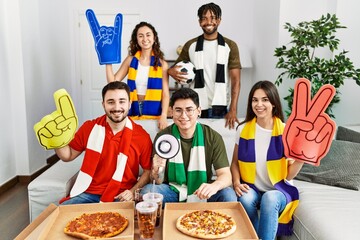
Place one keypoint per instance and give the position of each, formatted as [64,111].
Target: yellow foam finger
[57,129]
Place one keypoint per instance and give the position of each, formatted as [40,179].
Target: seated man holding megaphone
[184,154]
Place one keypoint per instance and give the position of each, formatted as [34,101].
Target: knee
[272,200]
[249,199]
[272,197]
[228,195]
[149,188]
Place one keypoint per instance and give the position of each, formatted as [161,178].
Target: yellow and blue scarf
[180,182]
[276,166]
[153,95]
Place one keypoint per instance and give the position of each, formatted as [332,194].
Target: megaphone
[167,146]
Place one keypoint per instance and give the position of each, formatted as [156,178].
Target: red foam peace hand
[309,130]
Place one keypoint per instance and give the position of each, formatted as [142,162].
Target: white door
[92,74]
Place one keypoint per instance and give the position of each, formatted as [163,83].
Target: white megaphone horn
[167,146]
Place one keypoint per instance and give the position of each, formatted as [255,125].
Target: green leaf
[298,58]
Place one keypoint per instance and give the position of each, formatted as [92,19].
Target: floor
[14,211]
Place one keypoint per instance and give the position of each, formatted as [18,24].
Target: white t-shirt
[262,142]
[141,80]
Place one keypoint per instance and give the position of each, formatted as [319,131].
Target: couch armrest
[52,185]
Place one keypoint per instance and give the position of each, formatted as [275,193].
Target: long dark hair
[134,46]
[273,96]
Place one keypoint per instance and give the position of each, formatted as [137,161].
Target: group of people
[216,59]
[116,147]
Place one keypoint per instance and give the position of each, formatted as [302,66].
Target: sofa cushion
[325,212]
[52,185]
[347,134]
[340,167]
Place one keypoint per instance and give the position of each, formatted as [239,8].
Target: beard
[116,119]
[209,32]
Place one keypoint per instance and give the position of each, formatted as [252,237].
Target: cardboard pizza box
[172,211]
[33,230]
[51,222]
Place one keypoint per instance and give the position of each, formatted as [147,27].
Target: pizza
[206,224]
[96,225]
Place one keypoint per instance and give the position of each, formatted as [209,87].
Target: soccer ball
[188,68]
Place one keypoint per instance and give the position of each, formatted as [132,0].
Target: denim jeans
[209,113]
[224,195]
[83,198]
[271,203]
[141,107]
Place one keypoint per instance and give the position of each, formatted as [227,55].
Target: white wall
[347,112]
[13,138]
[6,139]
[38,52]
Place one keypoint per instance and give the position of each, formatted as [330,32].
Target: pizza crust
[206,224]
[96,225]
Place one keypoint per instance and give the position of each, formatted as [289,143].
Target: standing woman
[260,171]
[147,75]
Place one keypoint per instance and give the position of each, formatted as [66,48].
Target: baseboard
[52,159]
[9,184]
[28,178]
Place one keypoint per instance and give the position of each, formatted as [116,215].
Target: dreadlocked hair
[134,46]
[212,7]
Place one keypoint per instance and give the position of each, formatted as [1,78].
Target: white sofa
[56,182]
[324,213]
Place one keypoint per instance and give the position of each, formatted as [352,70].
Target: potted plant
[299,59]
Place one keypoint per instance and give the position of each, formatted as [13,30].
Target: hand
[158,164]
[241,188]
[162,122]
[178,76]
[58,128]
[231,119]
[107,39]
[206,190]
[125,196]
[309,130]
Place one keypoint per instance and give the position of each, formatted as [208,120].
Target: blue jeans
[141,107]
[224,195]
[271,203]
[84,198]
[210,113]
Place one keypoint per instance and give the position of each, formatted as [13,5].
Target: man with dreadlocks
[216,59]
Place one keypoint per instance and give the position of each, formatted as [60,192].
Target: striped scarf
[277,169]
[221,78]
[92,157]
[186,184]
[153,95]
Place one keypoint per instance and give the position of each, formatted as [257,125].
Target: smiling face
[209,24]
[116,105]
[185,115]
[261,105]
[145,37]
